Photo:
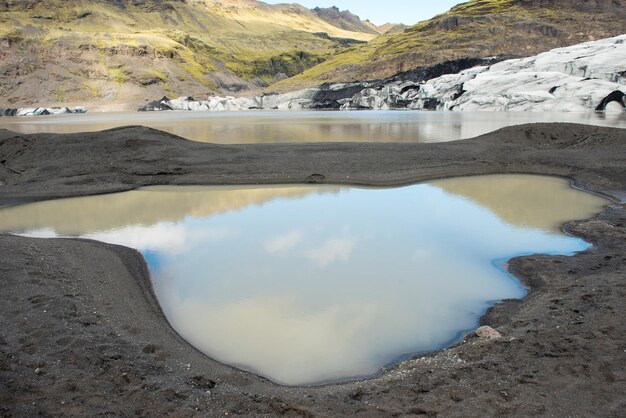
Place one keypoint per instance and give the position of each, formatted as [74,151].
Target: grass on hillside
[252,42]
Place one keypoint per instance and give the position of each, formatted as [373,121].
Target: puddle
[308,285]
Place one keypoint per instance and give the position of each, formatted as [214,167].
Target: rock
[316,178]
[488,333]
[423,74]
[334,93]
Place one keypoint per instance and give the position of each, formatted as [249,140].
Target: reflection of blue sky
[153,261]
[329,286]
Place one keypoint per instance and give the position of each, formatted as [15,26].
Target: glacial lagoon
[315,284]
[308,126]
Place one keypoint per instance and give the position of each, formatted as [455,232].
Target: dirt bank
[81,332]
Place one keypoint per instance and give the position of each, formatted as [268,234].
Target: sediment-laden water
[298,126]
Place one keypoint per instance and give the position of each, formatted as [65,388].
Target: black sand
[81,332]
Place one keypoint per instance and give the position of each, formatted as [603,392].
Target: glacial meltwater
[269,126]
[308,285]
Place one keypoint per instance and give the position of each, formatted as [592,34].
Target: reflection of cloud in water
[344,323]
[283,243]
[40,233]
[276,337]
[168,237]
[335,249]
[172,238]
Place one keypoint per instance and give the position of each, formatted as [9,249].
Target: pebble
[488,333]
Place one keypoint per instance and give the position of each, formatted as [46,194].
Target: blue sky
[379,12]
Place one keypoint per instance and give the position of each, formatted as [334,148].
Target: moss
[255,48]
[91,88]
[267,68]
[158,74]
[118,75]
[59,94]
[350,57]
[481,7]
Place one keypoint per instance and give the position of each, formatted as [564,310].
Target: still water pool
[307,285]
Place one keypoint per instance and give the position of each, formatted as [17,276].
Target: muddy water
[306,285]
[282,127]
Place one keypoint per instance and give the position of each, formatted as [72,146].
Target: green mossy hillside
[124,50]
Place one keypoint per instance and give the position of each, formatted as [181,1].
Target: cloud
[40,233]
[335,249]
[163,236]
[283,243]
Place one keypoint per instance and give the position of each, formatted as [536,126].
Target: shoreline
[534,356]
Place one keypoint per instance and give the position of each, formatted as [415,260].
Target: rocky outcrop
[345,20]
[448,67]
[42,111]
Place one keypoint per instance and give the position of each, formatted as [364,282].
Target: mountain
[475,29]
[349,21]
[346,20]
[119,51]
[392,28]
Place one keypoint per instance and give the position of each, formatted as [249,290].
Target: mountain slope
[86,51]
[388,28]
[478,28]
[346,20]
